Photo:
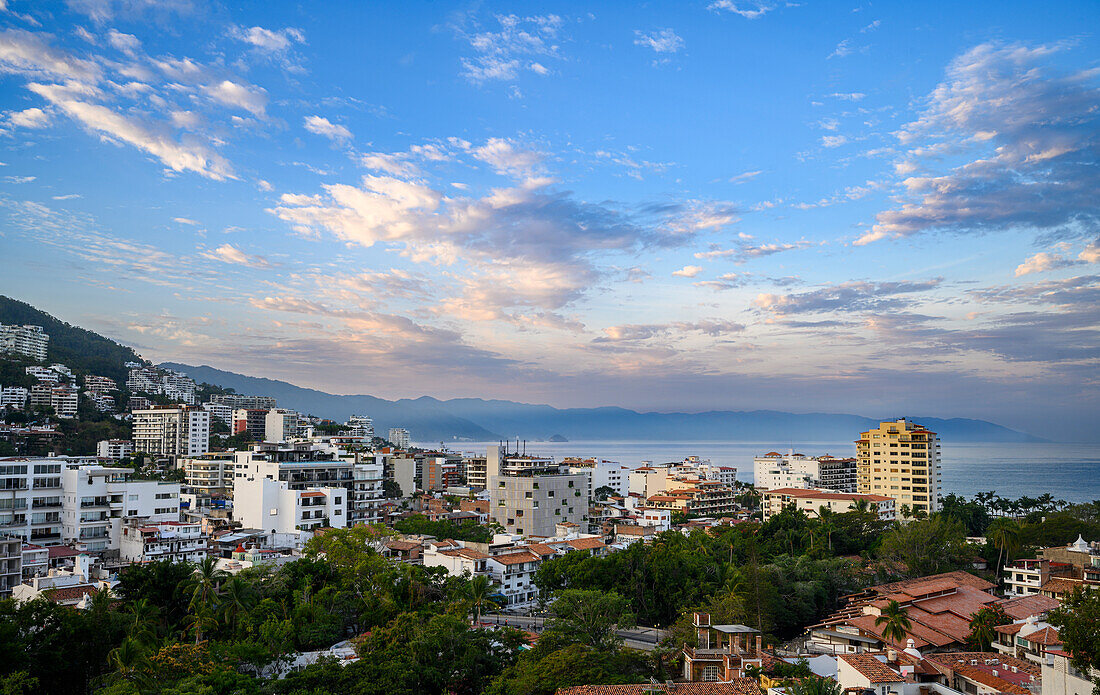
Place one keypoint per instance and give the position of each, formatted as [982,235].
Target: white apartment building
[308,465]
[64,401]
[63,371]
[14,397]
[280,425]
[176,386]
[811,501]
[457,561]
[531,495]
[265,503]
[399,437]
[515,574]
[30,498]
[172,431]
[36,560]
[601,474]
[29,341]
[900,459]
[11,563]
[219,410]
[44,375]
[114,448]
[99,384]
[96,499]
[146,541]
[236,401]
[362,425]
[774,470]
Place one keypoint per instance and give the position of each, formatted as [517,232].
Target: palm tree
[204,593]
[144,621]
[815,685]
[129,661]
[861,506]
[1045,501]
[895,622]
[827,520]
[237,600]
[1004,534]
[481,593]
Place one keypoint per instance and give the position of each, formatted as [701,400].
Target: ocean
[1069,472]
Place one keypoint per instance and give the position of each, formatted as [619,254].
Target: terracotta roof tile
[873,669]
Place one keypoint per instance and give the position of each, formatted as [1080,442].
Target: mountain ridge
[431,419]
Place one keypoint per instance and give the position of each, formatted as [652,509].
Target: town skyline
[688,207]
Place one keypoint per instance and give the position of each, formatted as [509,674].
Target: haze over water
[1067,471]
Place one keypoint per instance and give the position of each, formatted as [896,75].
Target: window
[710,674]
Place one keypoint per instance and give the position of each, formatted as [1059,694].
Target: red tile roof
[587,544]
[873,669]
[516,558]
[1024,606]
[69,593]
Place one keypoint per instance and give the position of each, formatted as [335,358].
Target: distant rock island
[474,419]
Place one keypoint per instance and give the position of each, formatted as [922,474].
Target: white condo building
[114,448]
[56,499]
[601,474]
[14,397]
[305,466]
[154,541]
[399,437]
[96,499]
[774,470]
[362,425]
[172,431]
[29,341]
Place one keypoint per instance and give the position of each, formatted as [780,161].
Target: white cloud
[27,53]
[325,128]
[268,40]
[688,271]
[1041,263]
[848,96]
[503,55]
[264,185]
[1091,254]
[842,49]
[186,220]
[127,43]
[393,164]
[1026,135]
[833,140]
[19,179]
[230,93]
[661,40]
[228,253]
[745,176]
[506,158]
[29,118]
[184,155]
[749,10]
[68,196]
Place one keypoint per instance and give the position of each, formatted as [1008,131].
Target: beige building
[900,459]
[811,501]
[531,495]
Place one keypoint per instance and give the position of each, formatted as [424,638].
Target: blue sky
[882,209]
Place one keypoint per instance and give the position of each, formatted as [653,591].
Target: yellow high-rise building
[900,459]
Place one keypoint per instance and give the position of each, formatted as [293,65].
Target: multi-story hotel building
[30,341]
[900,459]
[235,401]
[172,431]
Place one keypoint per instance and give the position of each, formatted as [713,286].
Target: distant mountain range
[430,419]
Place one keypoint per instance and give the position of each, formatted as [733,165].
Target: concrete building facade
[900,459]
[172,431]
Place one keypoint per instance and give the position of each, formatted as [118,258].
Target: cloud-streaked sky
[875,208]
